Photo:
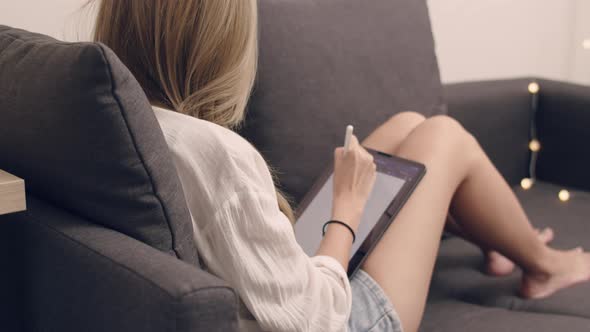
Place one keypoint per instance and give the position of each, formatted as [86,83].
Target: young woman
[196,61]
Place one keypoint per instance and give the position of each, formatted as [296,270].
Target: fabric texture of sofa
[336,62]
[105,243]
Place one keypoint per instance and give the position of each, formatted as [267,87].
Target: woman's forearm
[354,177]
[337,241]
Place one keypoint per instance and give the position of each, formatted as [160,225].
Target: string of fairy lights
[564,195]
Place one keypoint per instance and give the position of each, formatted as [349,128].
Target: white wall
[476,39]
[488,39]
[580,68]
[62,19]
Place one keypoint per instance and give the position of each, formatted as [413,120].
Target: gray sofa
[105,244]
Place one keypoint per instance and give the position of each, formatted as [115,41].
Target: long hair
[196,57]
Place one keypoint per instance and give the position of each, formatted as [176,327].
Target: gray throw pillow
[76,125]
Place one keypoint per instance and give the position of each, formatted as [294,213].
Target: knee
[451,135]
[409,117]
[447,128]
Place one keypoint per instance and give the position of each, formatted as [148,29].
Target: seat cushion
[454,316]
[76,125]
[326,64]
[458,274]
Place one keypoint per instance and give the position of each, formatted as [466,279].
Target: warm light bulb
[526,183]
[586,44]
[535,145]
[534,88]
[564,195]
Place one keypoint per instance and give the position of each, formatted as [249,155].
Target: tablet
[396,180]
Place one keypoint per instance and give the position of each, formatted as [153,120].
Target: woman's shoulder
[213,162]
[189,136]
[180,128]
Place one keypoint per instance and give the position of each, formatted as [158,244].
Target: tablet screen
[308,227]
[396,180]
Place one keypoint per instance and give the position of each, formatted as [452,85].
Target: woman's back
[244,238]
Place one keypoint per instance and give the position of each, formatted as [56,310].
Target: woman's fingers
[355,146]
[357,152]
[354,143]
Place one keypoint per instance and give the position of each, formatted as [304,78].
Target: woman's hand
[354,177]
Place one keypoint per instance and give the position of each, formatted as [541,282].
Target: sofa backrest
[325,64]
[76,125]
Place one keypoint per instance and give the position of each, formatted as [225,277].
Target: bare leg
[496,264]
[403,260]
[388,138]
[390,135]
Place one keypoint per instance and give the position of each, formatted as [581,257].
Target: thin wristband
[339,223]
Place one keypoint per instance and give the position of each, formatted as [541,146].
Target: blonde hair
[197,57]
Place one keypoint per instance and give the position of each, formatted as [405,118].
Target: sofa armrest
[83,277]
[563,125]
[498,114]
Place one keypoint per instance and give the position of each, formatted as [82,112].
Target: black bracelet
[339,223]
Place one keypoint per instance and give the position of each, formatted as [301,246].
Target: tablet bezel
[388,215]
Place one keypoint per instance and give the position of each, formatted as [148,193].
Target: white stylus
[347,137]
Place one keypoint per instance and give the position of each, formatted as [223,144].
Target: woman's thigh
[389,135]
[403,260]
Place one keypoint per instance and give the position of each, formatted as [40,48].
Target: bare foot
[498,265]
[565,269]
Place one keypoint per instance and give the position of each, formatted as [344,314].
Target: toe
[546,235]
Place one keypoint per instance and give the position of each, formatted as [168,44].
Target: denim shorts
[371,309]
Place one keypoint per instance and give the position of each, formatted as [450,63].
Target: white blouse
[243,237]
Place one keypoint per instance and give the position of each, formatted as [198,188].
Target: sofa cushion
[102,280]
[326,64]
[458,274]
[77,127]
[453,316]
